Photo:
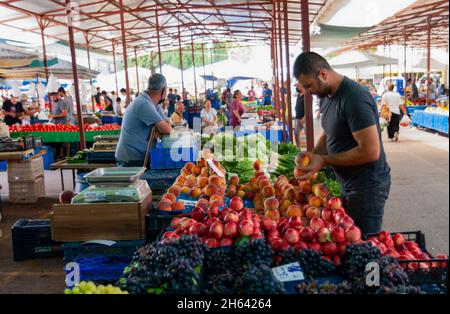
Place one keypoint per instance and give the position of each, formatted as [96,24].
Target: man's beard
[324,89]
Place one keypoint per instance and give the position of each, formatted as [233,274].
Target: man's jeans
[366,207]
[131,163]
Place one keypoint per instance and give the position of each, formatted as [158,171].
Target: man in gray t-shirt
[60,109]
[141,117]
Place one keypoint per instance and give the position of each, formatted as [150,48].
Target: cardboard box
[26,192]
[100,221]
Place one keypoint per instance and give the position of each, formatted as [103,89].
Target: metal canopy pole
[158,39]
[404,61]
[211,62]
[137,69]
[203,62]
[273,39]
[152,66]
[181,61]
[42,26]
[288,74]
[428,58]
[115,66]
[283,100]
[124,47]
[308,98]
[193,66]
[86,35]
[75,75]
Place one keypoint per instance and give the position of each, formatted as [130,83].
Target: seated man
[177,118]
[13,110]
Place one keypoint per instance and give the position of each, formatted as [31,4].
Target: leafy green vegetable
[328,177]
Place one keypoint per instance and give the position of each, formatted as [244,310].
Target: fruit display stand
[65,137]
[436,120]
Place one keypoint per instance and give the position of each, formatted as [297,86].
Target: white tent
[360,59]
[108,83]
[421,65]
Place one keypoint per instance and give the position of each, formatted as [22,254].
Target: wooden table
[65,165]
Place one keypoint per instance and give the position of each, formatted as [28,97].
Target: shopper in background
[30,109]
[441,90]
[142,120]
[432,89]
[60,109]
[414,90]
[229,99]
[251,94]
[394,102]
[13,111]
[209,118]
[97,97]
[299,114]
[69,101]
[223,98]
[177,118]
[237,109]
[267,95]
[351,142]
[113,98]
[172,101]
[118,107]
[175,91]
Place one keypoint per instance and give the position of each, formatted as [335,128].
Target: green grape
[67,291]
[76,290]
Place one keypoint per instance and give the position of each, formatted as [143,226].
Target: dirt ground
[419,200]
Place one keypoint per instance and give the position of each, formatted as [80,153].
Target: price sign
[288,272]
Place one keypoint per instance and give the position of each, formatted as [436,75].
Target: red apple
[213,211]
[307,234]
[389,242]
[339,215]
[315,246]
[327,215]
[411,244]
[334,203]
[268,224]
[300,246]
[338,234]
[246,227]
[323,235]
[224,213]
[236,203]
[442,264]
[212,243]
[285,246]
[342,247]
[198,214]
[232,216]
[353,234]
[383,235]
[175,223]
[346,222]
[399,239]
[316,224]
[216,230]
[276,244]
[291,236]
[329,249]
[198,228]
[230,229]
[226,242]
[273,233]
[295,222]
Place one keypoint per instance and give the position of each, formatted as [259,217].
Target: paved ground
[419,200]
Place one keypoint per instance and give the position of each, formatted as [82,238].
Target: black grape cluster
[288,256]
[222,283]
[313,264]
[174,265]
[219,260]
[401,289]
[392,274]
[356,257]
[254,252]
[259,279]
[313,287]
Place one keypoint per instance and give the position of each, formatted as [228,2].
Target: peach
[268,191]
[216,197]
[294,211]
[249,195]
[189,166]
[240,187]
[186,190]
[175,190]
[211,189]
[214,180]
[231,192]
[271,203]
[315,201]
[223,185]
[305,186]
[298,173]
[196,171]
[204,172]
[165,204]
[300,196]
[191,178]
[302,160]
[221,191]
[171,197]
[320,190]
[290,194]
[236,204]
[312,212]
[216,203]
[184,172]
[189,184]
[272,214]
[201,163]
[241,194]
[202,181]
[195,192]
[314,177]
[234,180]
[257,165]
[178,206]
[202,203]
[285,205]
[181,179]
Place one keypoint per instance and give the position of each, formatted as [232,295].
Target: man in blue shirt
[267,95]
[140,119]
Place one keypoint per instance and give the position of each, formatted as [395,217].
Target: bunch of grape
[259,279]
[392,274]
[90,288]
[180,275]
[218,261]
[401,289]
[254,252]
[220,283]
[313,287]
[288,256]
[314,265]
[356,257]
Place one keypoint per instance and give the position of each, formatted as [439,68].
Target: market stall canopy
[233,80]
[409,26]
[12,57]
[108,82]
[207,21]
[329,36]
[360,59]
[434,65]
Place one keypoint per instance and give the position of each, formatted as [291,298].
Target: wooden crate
[26,192]
[27,170]
[100,221]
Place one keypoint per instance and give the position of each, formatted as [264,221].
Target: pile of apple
[197,181]
[396,246]
[218,228]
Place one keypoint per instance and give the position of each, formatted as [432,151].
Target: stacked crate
[26,181]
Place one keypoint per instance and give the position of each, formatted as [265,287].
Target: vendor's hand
[50,116]
[317,162]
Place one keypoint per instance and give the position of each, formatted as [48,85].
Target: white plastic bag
[4,130]
[405,121]
[383,123]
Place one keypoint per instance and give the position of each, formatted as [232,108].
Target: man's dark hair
[54,94]
[123,90]
[170,90]
[61,90]
[310,63]
[118,99]
[104,93]
[98,88]
[409,80]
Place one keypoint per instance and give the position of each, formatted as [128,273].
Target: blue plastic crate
[3,165]
[49,157]
[104,268]
[161,157]
[160,180]
[109,120]
[32,238]
[73,250]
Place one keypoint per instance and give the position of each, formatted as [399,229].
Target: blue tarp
[430,120]
[233,80]
[209,77]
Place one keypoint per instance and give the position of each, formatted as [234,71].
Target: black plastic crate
[160,180]
[32,238]
[28,142]
[37,142]
[154,225]
[423,271]
[100,157]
